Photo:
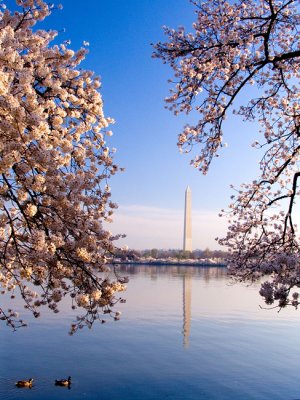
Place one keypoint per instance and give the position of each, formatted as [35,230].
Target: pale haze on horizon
[150,193]
[162,228]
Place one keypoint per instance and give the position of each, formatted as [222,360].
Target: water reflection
[184,334]
[187,302]
[154,271]
[183,273]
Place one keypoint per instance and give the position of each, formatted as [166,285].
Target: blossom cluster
[55,165]
[246,50]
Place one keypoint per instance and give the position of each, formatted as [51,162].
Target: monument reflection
[187,304]
[187,275]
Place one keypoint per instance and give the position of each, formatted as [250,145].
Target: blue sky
[150,193]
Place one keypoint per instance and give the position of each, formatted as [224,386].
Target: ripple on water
[42,388]
[207,345]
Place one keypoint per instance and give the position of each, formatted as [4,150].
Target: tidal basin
[185,333]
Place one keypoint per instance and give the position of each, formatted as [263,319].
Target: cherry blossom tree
[235,45]
[55,165]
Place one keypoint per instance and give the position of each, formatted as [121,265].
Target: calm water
[185,333]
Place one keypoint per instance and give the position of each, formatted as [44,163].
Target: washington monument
[187,234]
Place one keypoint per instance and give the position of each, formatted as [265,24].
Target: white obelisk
[187,234]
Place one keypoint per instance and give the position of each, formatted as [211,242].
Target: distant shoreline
[171,263]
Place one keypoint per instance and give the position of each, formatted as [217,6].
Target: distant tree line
[170,253]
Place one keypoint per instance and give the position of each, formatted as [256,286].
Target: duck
[25,383]
[63,382]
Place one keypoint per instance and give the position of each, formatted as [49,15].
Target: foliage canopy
[54,171]
[234,45]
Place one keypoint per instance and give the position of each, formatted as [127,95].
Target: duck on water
[63,382]
[25,383]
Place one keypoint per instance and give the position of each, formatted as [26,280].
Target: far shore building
[187,234]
